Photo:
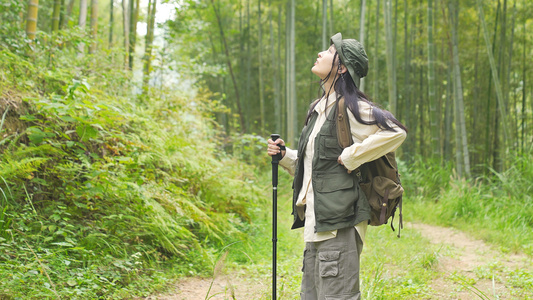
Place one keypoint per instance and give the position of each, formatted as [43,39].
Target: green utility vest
[338,199]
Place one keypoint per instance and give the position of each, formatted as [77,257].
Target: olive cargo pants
[331,267]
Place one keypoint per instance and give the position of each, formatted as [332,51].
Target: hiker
[327,199]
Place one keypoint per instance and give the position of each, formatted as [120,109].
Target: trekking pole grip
[275,158]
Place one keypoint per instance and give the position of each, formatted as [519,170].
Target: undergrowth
[497,208]
[105,193]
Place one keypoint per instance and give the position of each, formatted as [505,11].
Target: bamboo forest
[134,136]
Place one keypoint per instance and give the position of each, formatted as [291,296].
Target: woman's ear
[342,69]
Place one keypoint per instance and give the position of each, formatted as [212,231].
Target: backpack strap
[400,223]
[344,135]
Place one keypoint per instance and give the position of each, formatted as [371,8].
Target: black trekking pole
[275,161]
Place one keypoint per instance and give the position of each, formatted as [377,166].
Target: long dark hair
[345,87]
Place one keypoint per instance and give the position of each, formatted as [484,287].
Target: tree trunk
[241,73]
[228,61]
[260,40]
[431,86]
[501,58]
[478,107]
[292,114]
[275,79]
[406,116]
[56,13]
[279,75]
[376,54]
[331,18]
[496,80]
[70,7]
[391,70]
[31,19]
[62,14]
[126,29]
[134,16]
[362,35]
[246,104]
[287,71]
[131,11]
[111,23]
[94,25]
[524,97]
[491,127]
[324,24]
[448,117]
[82,21]
[459,103]
[149,44]
[509,71]
[136,20]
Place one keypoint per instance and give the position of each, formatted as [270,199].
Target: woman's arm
[288,162]
[370,141]
[290,156]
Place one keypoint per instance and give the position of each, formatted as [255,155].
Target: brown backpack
[379,179]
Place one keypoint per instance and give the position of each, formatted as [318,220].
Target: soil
[465,268]
[235,286]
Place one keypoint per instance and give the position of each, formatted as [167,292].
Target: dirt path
[468,267]
[238,286]
[465,267]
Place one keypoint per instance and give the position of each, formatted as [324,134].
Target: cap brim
[337,41]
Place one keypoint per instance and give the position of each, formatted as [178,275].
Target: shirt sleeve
[288,162]
[370,141]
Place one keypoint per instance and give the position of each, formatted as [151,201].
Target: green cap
[353,57]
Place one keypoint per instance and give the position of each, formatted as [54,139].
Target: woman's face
[324,63]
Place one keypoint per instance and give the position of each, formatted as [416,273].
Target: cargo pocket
[329,263]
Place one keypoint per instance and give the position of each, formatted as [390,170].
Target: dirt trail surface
[238,286]
[468,266]
[465,267]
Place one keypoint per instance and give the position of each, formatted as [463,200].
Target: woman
[327,200]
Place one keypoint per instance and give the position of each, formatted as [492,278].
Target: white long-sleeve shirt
[370,143]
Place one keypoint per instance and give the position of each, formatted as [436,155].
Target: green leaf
[68,119]
[72,282]
[63,244]
[86,132]
[36,135]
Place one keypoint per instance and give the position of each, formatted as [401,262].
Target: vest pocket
[329,148]
[335,196]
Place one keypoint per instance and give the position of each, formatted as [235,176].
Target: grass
[390,267]
[404,268]
[497,209]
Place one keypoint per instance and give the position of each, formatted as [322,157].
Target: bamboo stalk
[31,20]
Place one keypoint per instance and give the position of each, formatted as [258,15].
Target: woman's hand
[274,147]
[339,160]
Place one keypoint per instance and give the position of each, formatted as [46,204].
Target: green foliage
[103,194]
[10,14]
[394,268]
[497,208]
